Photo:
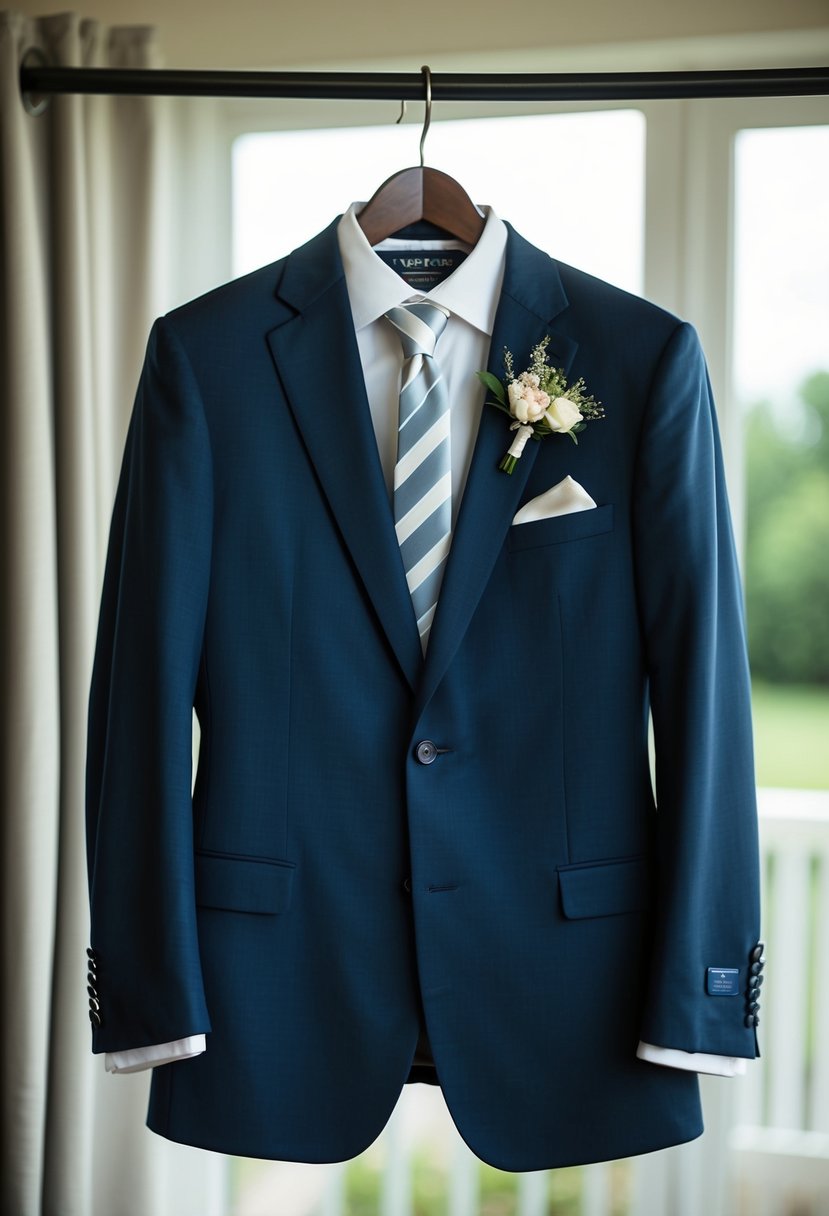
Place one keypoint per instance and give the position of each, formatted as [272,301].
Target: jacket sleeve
[701,988]
[145,976]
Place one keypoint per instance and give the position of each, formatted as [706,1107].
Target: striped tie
[423,472]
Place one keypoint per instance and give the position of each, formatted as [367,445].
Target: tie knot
[419,326]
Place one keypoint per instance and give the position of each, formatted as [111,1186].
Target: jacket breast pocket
[243,884]
[605,888]
[560,528]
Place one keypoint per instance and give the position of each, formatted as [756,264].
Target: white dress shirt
[470,295]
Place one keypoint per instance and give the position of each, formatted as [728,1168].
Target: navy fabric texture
[554,917]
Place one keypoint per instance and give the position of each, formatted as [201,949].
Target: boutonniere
[540,402]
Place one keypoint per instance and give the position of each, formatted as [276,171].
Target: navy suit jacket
[323,884]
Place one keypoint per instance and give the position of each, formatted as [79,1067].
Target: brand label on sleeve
[723,981]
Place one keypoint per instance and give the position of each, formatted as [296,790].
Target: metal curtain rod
[39,78]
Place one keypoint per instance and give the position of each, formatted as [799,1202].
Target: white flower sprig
[540,402]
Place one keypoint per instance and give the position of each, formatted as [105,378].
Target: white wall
[268,34]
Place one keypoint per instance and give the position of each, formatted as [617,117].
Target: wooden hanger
[421,194]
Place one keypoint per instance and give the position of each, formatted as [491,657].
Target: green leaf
[573,437]
[493,384]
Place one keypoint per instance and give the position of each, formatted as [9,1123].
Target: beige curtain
[84,261]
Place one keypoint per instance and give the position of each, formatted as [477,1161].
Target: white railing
[765,1151]
[780,1139]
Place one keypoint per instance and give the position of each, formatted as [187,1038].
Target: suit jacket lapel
[531,297]
[343,447]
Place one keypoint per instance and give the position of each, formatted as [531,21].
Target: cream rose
[562,415]
[528,403]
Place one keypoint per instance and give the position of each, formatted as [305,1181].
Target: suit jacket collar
[343,449]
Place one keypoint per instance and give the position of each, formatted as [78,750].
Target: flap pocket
[605,888]
[558,528]
[243,884]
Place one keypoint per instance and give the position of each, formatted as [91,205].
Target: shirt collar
[470,292]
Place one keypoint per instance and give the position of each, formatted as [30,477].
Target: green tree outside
[787,586]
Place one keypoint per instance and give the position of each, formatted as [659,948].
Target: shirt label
[723,981]
[425,270]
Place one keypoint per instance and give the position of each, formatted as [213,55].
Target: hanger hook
[402,113]
[427,117]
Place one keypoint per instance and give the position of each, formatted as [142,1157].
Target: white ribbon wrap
[520,441]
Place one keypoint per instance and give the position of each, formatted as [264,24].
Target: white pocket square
[562,499]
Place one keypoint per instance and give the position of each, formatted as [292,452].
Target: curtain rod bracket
[33,103]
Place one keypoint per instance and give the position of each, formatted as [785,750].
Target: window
[781,380]
[549,175]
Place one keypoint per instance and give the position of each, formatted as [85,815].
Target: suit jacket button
[407,885]
[95,1017]
[757,953]
[426,752]
[756,968]
[752,1019]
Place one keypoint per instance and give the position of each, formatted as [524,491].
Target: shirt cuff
[693,1061]
[139,1058]
[136,1059]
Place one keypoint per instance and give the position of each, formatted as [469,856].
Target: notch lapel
[531,297]
[343,448]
